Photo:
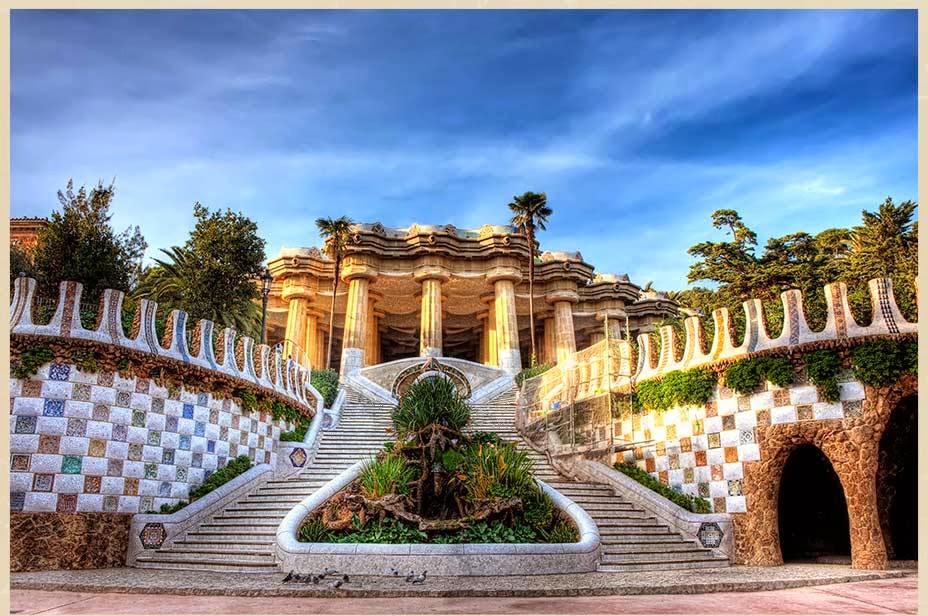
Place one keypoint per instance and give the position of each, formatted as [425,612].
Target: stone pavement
[894,595]
[691,581]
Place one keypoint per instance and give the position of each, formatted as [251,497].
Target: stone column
[549,346]
[320,348]
[504,280]
[358,278]
[370,338]
[311,339]
[431,277]
[565,340]
[298,296]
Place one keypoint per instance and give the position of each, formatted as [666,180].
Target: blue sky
[637,124]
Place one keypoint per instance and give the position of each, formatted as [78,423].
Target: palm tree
[335,233]
[531,211]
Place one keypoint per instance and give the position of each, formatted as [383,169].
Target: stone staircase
[632,539]
[241,537]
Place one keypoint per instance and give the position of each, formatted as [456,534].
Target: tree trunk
[531,289]
[328,353]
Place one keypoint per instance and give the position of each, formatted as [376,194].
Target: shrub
[881,362]
[692,387]
[745,375]
[314,531]
[497,470]
[695,504]
[388,530]
[326,383]
[387,475]
[562,532]
[433,400]
[31,360]
[296,435]
[823,366]
[531,372]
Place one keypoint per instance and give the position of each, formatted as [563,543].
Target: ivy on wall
[745,375]
[692,387]
[879,363]
[823,367]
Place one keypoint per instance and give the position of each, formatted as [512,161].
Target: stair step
[212,535]
[208,565]
[647,547]
[662,566]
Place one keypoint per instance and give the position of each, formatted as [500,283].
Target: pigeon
[322,575]
[420,579]
[289,577]
[345,578]
[316,579]
[336,584]
[393,571]
[411,576]
[330,571]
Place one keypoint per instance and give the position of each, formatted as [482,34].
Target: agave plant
[389,474]
[431,401]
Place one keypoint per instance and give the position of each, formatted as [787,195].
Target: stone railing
[585,373]
[232,356]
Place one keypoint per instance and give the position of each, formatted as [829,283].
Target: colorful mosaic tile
[700,457]
[671,433]
[734,487]
[135,452]
[688,475]
[43,482]
[153,536]
[199,429]
[151,470]
[164,488]
[49,443]
[649,465]
[804,412]
[731,454]
[763,417]
[31,389]
[25,424]
[298,457]
[236,420]
[138,419]
[71,465]
[59,372]
[110,503]
[717,472]
[202,399]
[703,489]
[154,437]
[120,431]
[77,427]
[101,412]
[211,446]
[673,461]
[97,448]
[81,392]
[17,501]
[19,462]
[157,406]
[141,386]
[67,503]
[746,437]
[147,504]
[853,408]
[686,444]
[167,456]
[223,433]
[131,486]
[718,504]
[105,379]
[744,403]
[197,460]
[53,408]
[184,442]
[114,467]
[123,399]
[188,411]
[728,422]
[780,397]
[92,484]
[182,473]
[214,416]
[715,440]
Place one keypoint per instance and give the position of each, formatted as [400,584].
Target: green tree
[530,211]
[335,234]
[20,263]
[79,244]
[212,276]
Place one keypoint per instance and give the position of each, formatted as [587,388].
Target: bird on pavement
[420,579]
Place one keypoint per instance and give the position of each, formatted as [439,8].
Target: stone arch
[430,367]
[812,516]
[897,480]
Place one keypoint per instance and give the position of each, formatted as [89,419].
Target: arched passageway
[897,481]
[813,519]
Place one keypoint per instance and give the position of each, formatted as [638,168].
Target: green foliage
[326,383]
[388,530]
[745,375]
[314,531]
[531,372]
[496,532]
[695,504]
[881,362]
[79,244]
[431,400]
[335,233]
[823,367]
[497,470]
[389,474]
[295,435]
[212,275]
[168,508]
[537,509]
[31,360]
[230,471]
[452,459]
[20,263]
[692,387]
[86,361]
[562,532]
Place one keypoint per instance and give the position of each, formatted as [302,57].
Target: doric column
[431,277]
[504,280]
[565,341]
[616,323]
[491,347]
[549,346]
[298,296]
[311,339]
[320,348]
[370,338]
[358,278]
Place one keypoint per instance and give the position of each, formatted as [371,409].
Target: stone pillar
[482,343]
[320,348]
[565,340]
[616,323]
[597,336]
[549,346]
[298,296]
[431,277]
[358,278]
[370,337]
[311,339]
[504,280]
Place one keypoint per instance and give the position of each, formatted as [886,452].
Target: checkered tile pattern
[701,451]
[100,442]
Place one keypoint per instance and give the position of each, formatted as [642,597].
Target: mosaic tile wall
[99,442]
[701,451]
